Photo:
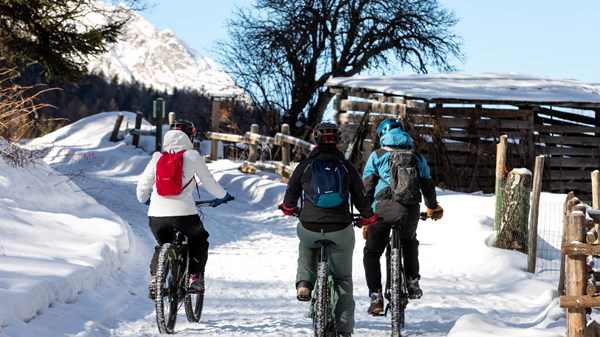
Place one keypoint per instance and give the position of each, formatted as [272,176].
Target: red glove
[368,221]
[288,211]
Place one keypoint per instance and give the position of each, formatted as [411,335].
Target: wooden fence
[252,138]
[578,285]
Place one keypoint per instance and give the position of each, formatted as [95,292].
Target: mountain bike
[322,307]
[322,302]
[172,283]
[396,286]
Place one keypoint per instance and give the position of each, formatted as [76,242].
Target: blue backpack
[326,183]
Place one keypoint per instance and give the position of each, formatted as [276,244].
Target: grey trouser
[340,266]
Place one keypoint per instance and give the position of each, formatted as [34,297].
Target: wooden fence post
[115,132]
[159,110]
[500,177]
[570,201]
[214,121]
[285,148]
[575,274]
[171,118]
[138,126]
[253,147]
[533,216]
[596,189]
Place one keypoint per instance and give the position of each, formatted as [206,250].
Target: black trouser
[377,239]
[192,227]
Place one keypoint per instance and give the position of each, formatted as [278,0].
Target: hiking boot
[303,291]
[414,290]
[376,306]
[196,283]
[152,287]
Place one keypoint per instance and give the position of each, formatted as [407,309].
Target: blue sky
[545,38]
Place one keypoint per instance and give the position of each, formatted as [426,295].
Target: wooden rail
[252,138]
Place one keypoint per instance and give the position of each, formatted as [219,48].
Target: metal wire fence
[550,227]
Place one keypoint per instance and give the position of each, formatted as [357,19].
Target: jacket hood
[176,140]
[396,138]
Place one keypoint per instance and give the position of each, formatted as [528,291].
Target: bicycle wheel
[321,311]
[397,298]
[166,290]
[193,304]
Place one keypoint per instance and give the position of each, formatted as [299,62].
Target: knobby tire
[321,310]
[166,302]
[397,298]
[193,304]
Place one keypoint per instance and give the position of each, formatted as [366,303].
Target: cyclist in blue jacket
[376,177]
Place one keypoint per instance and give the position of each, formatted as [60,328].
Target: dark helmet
[388,124]
[184,125]
[326,133]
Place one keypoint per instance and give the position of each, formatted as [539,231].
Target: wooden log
[580,249]
[253,153]
[225,137]
[214,121]
[515,210]
[138,125]
[591,236]
[590,288]
[575,276]
[500,176]
[116,128]
[533,216]
[566,210]
[596,190]
[581,302]
[278,168]
[285,147]
[592,330]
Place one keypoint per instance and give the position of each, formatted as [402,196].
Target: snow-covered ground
[75,247]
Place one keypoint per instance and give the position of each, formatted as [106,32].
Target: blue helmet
[388,124]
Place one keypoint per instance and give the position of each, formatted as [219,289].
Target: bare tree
[283,51]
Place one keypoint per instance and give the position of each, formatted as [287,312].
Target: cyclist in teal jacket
[376,176]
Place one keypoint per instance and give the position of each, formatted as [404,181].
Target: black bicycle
[172,283]
[322,302]
[396,285]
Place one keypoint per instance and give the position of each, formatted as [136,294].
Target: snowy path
[470,289]
[251,268]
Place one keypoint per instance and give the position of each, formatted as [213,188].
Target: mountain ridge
[162,61]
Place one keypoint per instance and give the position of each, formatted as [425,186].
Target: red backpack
[169,174]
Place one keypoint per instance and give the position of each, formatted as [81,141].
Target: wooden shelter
[456,121]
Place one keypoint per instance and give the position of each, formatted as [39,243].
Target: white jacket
[193,164]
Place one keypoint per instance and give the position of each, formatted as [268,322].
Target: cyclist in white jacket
[179,211]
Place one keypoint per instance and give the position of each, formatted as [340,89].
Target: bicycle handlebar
[210,202]
[357,217]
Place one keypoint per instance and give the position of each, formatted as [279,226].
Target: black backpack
[404,177]
[327,183]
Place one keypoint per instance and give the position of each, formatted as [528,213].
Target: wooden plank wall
[459,141]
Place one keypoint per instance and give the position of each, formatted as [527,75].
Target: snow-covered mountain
[160,60]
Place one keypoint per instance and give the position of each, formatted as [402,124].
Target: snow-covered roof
[500,87]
